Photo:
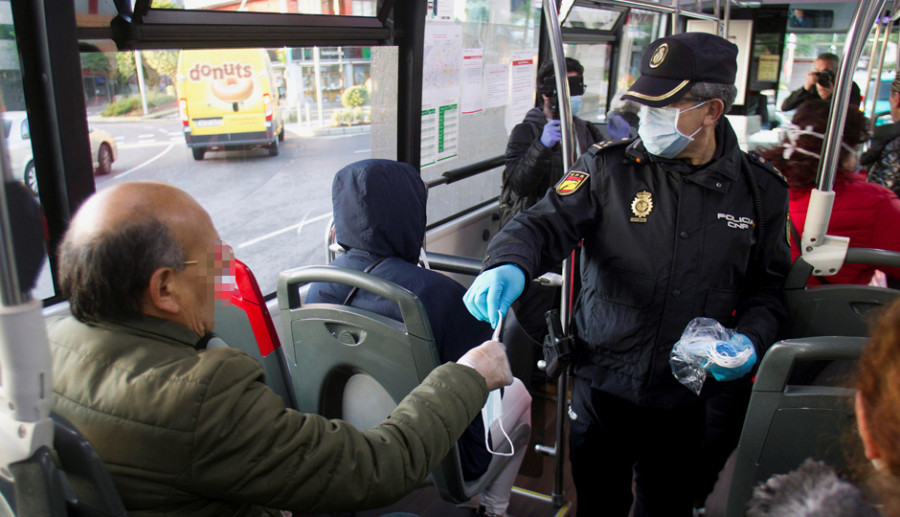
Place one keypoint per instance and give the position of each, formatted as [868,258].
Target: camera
[825,78]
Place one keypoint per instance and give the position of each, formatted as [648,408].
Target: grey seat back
[339,353]
[836,310]
[785,423]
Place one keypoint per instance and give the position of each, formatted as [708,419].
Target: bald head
[128,203]
[119,242]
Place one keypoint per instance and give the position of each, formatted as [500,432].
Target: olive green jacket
[197,432]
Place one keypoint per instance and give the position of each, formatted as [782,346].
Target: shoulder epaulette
[608,144]
[756,159]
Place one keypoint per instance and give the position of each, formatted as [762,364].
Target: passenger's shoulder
[760,162]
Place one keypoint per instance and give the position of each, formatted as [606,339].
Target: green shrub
[122,106]
[128,104]
[355,96]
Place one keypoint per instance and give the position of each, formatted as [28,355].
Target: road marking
[148,162]
[299,226]
[362,151]
[119,138]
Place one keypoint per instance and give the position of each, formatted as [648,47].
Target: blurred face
[208,275]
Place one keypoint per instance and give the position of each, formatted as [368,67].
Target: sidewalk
[304,130]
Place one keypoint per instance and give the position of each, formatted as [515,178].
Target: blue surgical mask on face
[658,129]
[576,103]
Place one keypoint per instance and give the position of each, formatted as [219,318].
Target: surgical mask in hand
[493,410]
[576,103]
[658,129]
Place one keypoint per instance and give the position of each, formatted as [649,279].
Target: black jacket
[664,242]
[801,95]
[531,167]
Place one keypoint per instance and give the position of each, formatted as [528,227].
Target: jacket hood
[379,207]
[536,116]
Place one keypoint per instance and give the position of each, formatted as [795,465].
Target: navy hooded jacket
[379,212]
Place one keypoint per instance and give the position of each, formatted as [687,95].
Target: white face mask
[658,129]
[493,410]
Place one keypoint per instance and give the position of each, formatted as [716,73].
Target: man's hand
[489,359]
[824,92]
[811,80]
[736,343]
[552,133]
[494,290]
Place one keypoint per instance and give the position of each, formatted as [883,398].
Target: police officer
[677,224]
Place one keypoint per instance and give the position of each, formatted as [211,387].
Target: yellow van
[227,98]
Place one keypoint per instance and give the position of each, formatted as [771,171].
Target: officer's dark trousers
[615,442]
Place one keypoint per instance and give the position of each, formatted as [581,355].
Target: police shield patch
[571,183]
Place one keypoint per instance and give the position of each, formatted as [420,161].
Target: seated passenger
[878,408]
[814,489]
[883,156]
[379,218]
[867,213]
[190,431]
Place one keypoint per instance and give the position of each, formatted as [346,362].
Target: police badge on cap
[672,65]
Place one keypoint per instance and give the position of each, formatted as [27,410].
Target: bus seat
[786,423]
[244,322]
[835,310]
[74,482]
[339,354]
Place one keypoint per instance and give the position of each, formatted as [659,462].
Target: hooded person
[379,219]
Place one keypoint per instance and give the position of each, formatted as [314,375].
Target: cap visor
[657,91]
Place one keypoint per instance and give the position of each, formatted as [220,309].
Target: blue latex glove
[732,347]
[494,290]
[552,133]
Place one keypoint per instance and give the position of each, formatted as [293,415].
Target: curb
[151,116]
[301,130]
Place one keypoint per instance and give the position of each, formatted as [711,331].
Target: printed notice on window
[472,102]
[440,133]
[496,85]
[521,86]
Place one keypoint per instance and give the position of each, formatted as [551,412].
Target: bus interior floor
[531,495]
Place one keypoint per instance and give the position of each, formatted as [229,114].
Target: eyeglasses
[222,258]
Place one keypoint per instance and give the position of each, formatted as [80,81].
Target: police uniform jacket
[664,242]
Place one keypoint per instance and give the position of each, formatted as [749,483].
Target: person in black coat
[819,84]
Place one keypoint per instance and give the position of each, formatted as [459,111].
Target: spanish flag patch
[571,183]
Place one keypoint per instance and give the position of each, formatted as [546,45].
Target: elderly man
[676,224]
[190,431]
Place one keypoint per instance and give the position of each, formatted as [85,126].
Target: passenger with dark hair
[384,238]
[867,213]
[186,430]
[676,224]
[534,163]
[819,84]
[883,156]
[533,153]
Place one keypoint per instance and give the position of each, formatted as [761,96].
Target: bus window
[641,28]
[255,135]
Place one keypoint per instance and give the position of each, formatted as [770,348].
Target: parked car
[18,143]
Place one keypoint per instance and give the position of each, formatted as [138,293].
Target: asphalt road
[274,210]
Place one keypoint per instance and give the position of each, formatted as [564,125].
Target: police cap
[672,65]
